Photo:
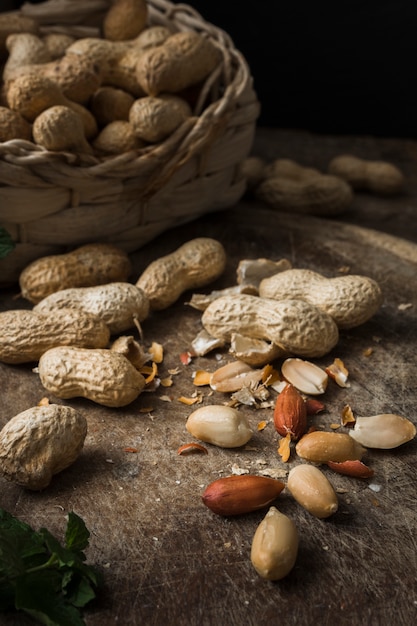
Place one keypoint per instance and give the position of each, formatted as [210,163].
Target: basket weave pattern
[51,202]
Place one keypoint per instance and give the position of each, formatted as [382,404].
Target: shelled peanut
[149,66]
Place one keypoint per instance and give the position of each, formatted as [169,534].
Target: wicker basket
[51,202]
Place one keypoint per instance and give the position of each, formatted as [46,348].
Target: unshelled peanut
[100,375]
[350,300]
[40,442]
[26,335]
[120,305]
[294,325]
[86,266]
[379,177]
[184,59]
[194,264]
[322,195]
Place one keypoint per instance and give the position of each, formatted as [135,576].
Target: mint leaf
[36,594]
[80,593]
[20,546]
[6,243]
[40,576]
[77,534]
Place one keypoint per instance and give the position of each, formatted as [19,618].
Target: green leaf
[40,576]
[6,596]
[77,534]
[20,546]
[6,243]
[82,593]
[36,595]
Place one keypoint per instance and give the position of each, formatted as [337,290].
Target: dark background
[347,67]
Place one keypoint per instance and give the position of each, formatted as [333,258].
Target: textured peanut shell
[40,442]
[86,266]
[24,49]
[122,72]
[297,327]
[117,137]
[194,264]
[155,118]
[109,103]
[103,376]
[184,59]
[60,128]
[378,177]
[323,195]
[26,335]
[13,126]
[274,547]
[350,300]
[117,304]
[312,490]
[289,169]
[14,22]
[125,19]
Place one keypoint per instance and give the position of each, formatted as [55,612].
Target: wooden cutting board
[166,558]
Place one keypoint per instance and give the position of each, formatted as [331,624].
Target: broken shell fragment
[234,376]
[255,352]
[252,271]
[203,343]
[305,376]
[384,431]
[131,349]
[220,425]
[200,301]
[338,372]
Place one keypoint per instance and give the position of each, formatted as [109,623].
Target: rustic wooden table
[167,558]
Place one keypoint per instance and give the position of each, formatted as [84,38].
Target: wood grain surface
[166,558]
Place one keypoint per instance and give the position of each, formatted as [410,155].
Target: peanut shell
[26,335]
[40,442]
[102,376]
[118,304]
